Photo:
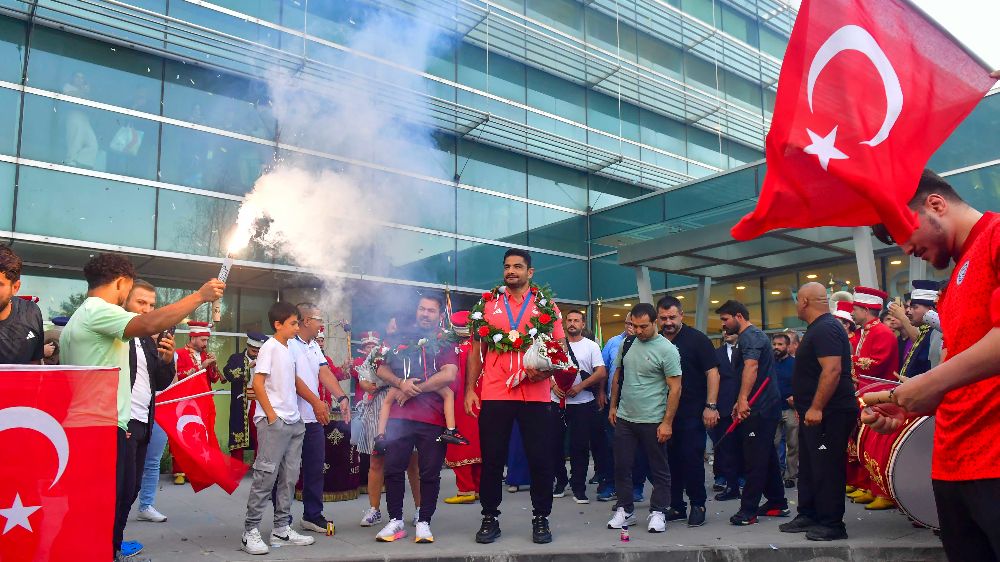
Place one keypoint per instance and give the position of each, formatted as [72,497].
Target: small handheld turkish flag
[868,91]
[189,422]
[58,428]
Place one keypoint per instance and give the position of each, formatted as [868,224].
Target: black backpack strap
[626,345]
[572,357]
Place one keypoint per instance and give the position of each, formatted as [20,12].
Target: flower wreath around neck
[503,341]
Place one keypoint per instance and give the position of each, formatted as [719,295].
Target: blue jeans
[151,470]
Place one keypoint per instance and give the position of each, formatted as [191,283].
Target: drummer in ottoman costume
[465,460]
[239,372]
[192,358]
[923,300]
[876,355]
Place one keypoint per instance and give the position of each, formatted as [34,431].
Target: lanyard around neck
[510,315]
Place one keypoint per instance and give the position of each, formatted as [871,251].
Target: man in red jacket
[192,358]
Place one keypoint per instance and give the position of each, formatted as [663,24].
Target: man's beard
[5,304]
[780,354]
[515,284]
[573,331]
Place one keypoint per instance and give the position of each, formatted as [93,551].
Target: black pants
[970,519]
[313,459]
[760,457]
[131,460]
[495,422]
[577,420]
[402,437]
[686,455]
[728,453]
[823,466]
[629,437]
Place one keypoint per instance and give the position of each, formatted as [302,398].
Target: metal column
[643,283]
[702,303]
[865,254]
[918,269]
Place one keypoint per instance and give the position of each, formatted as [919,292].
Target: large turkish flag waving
[186,412]
[58,437]
[868,90]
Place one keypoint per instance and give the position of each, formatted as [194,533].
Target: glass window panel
[773,43]
[705,147]
[661,57]
[337,21]
[414,202]
[710,195]
[480,266]
[701,9]
[739,26]
[606,114]
[193,224]
[253,310]
[10,101]
[558,97]
[6,195]
[609,280]
[412,256]
[84,16]
[664,133]
[89,69]
[491,168]
[169,291]
[980,188]
[742,91]
[492,218]
[564,15]
[223,101]
[779,294]
[557,230]
[91,209]
[213,162]
[66,133]
[57,295]
[557,185]
[605,192]
[605,32]
[701,72]
[12,46]
[745,291]
[566,276]
[502,77]
[965,146]
[627,217]
[228,24]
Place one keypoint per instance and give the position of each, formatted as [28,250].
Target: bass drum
[899,465]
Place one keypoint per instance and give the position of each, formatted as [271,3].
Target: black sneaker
[381,446]
[729,494]
[742,519]
[674,514]
[540,532]
[718,487]
[697,516]
[789,483]
[452,437]
[593,480]
[774,510]
[824,533]
[581,497]
[489,531]
[559,490]
[800,524]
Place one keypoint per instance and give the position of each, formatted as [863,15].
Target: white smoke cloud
[359,111]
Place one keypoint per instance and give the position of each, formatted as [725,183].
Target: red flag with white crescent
[868,90]
[186,413]
[58,434]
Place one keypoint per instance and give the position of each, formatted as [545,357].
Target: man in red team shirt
[964,391]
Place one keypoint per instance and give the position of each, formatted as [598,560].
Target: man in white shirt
[311,369]
[580,414]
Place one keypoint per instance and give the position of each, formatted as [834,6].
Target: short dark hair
[788,340]
[577,311]
[304,306]
[643,309]
[520,253]
[667,302]
[930,184]
[143,284]
[105,268]
[10,263]
[281,311]
[431,297]
[732,308]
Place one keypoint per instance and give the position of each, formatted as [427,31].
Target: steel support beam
[702,298]
[643,283]
[864,252]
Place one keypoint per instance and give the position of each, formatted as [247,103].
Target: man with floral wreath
[505,324]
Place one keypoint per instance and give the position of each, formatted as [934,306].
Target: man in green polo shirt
[99,331]
[647,380]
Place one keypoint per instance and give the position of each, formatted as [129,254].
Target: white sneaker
[621,518]
[286,536]
[371,517]
[393,531]
[253,543]
[150,514]
[657,522]
[423,533]
[416,516]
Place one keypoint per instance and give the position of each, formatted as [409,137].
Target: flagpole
[210,392]
[185,379]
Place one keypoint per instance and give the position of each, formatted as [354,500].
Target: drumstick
[881,397]
[878,380]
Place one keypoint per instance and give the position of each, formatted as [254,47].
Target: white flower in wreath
[477,315]
[497,338]
[422,341]
[542,302]
[502,289]
[384,350]
[513,335]
[533,332]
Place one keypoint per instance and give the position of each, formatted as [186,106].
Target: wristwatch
[711,406]
[342,398]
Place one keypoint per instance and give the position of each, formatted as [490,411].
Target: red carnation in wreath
[544,318]
[487,296]
[484,331]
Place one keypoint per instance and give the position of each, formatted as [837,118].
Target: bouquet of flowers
[545,354]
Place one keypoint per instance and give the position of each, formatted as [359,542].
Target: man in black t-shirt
[21,335]
[824,398]
[698,410]
[753,363]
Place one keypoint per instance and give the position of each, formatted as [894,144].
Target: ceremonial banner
[868,90]
[58,437]
[186,412]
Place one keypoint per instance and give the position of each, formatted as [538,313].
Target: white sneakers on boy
[286,536]
[253,543]
[621,518]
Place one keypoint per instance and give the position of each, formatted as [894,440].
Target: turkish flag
[186,412]
[58,433]
[868,91]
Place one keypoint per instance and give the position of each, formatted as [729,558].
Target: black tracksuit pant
[577,420]
[686,455]
[760,457]
[970,519]
[823,466]
[496,420]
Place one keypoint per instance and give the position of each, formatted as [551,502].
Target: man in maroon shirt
[963,392]
[427,363]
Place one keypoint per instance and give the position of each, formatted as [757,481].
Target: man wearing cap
[917,360]
[192,358]
[877,353]
[465,460]
[239,372]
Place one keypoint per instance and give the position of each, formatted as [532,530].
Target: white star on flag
[17,515]
[823,148]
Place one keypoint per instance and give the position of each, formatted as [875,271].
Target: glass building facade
[140,125]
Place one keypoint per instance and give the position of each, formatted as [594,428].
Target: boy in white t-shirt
[279,435]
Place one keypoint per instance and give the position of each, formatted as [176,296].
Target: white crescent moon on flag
[37,420]
[855,38]
[188,418]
